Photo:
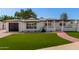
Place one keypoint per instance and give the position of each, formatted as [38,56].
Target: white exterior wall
[22,27]
[48,29]
[1,25]
[69,29]
[40,25]
[62,28]
[51,28]
[7,26]
[4,26]
[78,26]
[73,28]
[32,30]
[57,26]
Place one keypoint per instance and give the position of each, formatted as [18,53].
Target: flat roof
[17,20]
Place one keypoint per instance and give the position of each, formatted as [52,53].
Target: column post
[62,28]
[54,26]
[77,26]
[47,24]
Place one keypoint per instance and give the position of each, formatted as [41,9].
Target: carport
[13,26]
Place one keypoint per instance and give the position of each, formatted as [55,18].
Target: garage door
[13,26]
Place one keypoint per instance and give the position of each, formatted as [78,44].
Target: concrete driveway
[3,33]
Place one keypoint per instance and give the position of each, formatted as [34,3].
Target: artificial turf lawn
[74,34]
[31,41]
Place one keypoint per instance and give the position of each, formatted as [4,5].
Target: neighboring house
[35,25]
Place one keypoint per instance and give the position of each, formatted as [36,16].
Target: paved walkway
[2,31]
[67,37]
[72,46]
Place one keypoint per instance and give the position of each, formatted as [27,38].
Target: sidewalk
[71,46]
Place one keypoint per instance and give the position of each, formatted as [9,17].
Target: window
[62,24]
[31,25]
[69,25]
[45,24]
[50,25]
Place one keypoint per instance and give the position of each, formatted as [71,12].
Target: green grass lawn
[31,41]
[74,34]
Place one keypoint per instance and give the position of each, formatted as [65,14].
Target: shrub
[43,30]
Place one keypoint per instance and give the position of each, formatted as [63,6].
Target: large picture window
[31,25]
[50,25]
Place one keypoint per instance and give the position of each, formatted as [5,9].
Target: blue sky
[73,13]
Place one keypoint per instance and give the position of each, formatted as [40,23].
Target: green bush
[43,30]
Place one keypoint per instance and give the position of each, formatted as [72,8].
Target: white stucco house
[35,25]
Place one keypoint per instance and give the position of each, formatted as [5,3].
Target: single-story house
[35,25]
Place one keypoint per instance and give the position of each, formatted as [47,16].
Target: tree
[25,14]
[5,17]
[17,15]
[31,13]
[64,16]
